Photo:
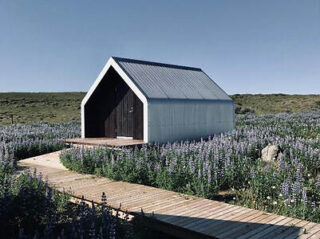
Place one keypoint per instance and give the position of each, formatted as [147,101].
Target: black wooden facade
[114,110]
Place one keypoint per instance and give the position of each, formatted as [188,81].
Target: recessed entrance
[116,110]
[125,119]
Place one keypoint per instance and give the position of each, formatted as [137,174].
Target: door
[119,109]
[124,111]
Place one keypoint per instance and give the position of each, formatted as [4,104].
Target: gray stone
[270,153]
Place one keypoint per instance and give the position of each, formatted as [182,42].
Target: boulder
[270,153]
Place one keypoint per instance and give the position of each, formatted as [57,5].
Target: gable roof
[166,81]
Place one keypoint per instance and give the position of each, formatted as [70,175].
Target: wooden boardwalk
[112,142]
[181,215]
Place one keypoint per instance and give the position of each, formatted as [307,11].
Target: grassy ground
[64,107]
[276,103]
[36,107]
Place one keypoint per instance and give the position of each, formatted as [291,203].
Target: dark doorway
[114,110]
[124,111]
[126,120]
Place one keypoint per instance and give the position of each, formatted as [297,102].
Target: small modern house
[154,102]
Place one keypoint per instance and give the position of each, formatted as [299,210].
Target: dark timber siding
[114,110]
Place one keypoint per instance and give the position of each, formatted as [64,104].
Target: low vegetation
[39,107]
[260,104]
[23,141]
[289,185]
[229,165]
[29,208]
[64,107]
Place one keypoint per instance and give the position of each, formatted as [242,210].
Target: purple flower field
[230,162]
[29,208]
[21,141]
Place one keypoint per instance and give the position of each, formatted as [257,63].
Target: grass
[29,208]
[37,107]
[226,164]
[276,103]
[65,106]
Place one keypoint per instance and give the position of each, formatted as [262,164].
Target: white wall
[171,120]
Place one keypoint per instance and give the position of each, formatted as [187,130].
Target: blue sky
[245,46]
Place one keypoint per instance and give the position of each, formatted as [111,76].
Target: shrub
[29,208]
[228,161]
[22,141]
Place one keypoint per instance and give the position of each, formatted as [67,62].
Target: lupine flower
[304,196]
[225,161]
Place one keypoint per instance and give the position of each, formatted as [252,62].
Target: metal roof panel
[166,81]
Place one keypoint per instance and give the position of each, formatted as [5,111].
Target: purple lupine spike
[304,196]
[318,182]
[252,174]
[35,172]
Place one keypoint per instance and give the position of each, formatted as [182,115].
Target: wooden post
[11,118]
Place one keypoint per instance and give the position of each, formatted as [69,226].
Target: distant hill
[36,107]
[63,107]
[275,103]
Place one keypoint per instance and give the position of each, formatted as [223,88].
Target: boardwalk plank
[281,230]
[177,202]
[179,214]
[159,204]
[262,228]
[292,232]
[173,209]
[313,232]
[214,223]
[154,200]
[135,194]
[272,228]
[239,225]
[211,214]
[192,215]
[183,210]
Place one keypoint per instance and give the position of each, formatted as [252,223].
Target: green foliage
[262,104]
[29,208]
[65,106]
[39,107]
[229,162]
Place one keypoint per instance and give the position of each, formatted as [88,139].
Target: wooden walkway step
[112,142]
[178,214]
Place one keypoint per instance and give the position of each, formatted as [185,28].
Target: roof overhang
[112,63]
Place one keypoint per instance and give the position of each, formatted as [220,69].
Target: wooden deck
[113,142]
[181,215]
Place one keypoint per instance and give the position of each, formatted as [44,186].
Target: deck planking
[112,142]
[178,214]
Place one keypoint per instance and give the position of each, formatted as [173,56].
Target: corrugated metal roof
[165,81]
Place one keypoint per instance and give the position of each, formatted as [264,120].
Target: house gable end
[112,63]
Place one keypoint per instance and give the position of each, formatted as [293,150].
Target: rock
[240,110]
[280,154]
[270,153]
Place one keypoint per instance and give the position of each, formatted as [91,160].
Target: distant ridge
[65,106]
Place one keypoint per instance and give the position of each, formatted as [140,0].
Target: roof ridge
[119,59]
